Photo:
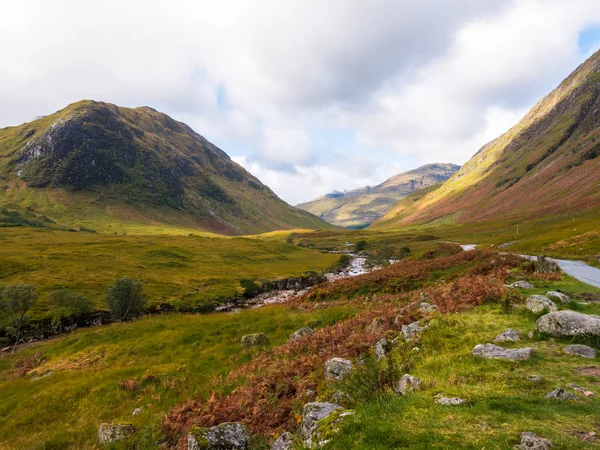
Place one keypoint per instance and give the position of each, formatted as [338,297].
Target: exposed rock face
[112,432]
[558,296]
[450,401]
[508,335]
[531,441]
[226,436]
[491,351]
[255,340]
[537,303]
[304,331]
[312,414]
[412,330]
[561,394]
[296,284]
[337,368]
[283,442]
[568,323]
[382,348]
[546,265]
[581,350]
[407,384]
[522,284]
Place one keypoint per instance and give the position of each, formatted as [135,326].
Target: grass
[81,380]
[180,270]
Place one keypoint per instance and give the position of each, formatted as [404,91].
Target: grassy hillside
[360,207]
[98,165]
[545,166]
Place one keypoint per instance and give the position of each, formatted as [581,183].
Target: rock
[377,323]
[561,394]
[530,335]
[558,296]
[508,335]
[382,348]
[427,308]
[298,334]
[283,442]
[112,432]
[412,330]
[568,323]
[339,397]
[450,401]
[546,265]
[531,441]
[407,384]
[225,436]
[337,368]
[137,411]
[538,303]
[491,351]
[522,284]
[580,390]
[312,414]
[580,350]
[534,379]
[255,340]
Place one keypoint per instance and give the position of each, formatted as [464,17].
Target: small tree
[125,298]
[251,287]
[15,303]
[360,246]
[68,304]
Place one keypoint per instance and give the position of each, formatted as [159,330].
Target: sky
[309,96]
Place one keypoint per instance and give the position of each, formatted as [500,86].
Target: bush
[67,304]
[125,298]
[360,246]
[15,303]
[251,288]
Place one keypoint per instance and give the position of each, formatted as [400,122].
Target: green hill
[98,165]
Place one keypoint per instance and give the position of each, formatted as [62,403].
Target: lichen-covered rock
[298,334]
[491,351]
[283,442]
[561,394]
[508,335]
[337,368]
[546,265]
[407,384]
[112,432]
[558,296]
[531,441]
[382,348]
[580,350]
[313,415]
[427,308]
[225,436]
[255,340]
[412,330]
[450,401]
[568,323]
[522,284]
[538,303]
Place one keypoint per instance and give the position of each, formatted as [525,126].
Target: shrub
[360,245]
[125,298]
[15,303]
[251,287]
[67,304]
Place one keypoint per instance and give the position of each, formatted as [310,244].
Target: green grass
[174,358]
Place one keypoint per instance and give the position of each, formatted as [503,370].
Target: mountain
[546,165]
[360,207]
[100,165]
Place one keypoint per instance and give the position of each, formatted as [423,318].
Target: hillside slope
[547,164]
[104,166]
[360,207]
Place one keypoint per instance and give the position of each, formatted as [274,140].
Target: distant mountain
[101,165]
[360,207]
[546,165]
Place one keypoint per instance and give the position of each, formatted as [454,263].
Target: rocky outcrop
[296,283]
[319,420]
[522,284]
[226,436]
[382,348]
[450,401]
[558,296]
[531,441]
[539,303]
[113,432]
[255,340]
[412,330]
[546,265]
[298,334]
[568,324]
[337,368]
[581,350]
[491,351]
[561,394]
[407,384]
[508,335]
[283,442]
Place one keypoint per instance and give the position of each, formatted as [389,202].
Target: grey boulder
[538,303]
[112,432]
[298,334]
[382,348]
[407,384]
[312,415]
[561,394]
[255,340]
[558,296]
[508,335]
[412,330]
[546,265]
[522,284]
[450,401]
[225,436]
[337,368]
[531,441]
[568,323]
[427,308]
[491,351]
[580,350]
[283,442]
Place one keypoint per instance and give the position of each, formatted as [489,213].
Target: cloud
[406,82]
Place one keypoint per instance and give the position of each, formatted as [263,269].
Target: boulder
[412,330]
[300,333]
[407,384]
[538,303]
[568,324]
[337,368]
[382,348]
[508,335]
[522,284]
[255,340]
[546,265]
[225,436]
[580,350]
[427,308]
[558,296]
[112,432]
[312,416]
[450,401]
[491,351]
[283,442]
[561,394]
[531,441]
